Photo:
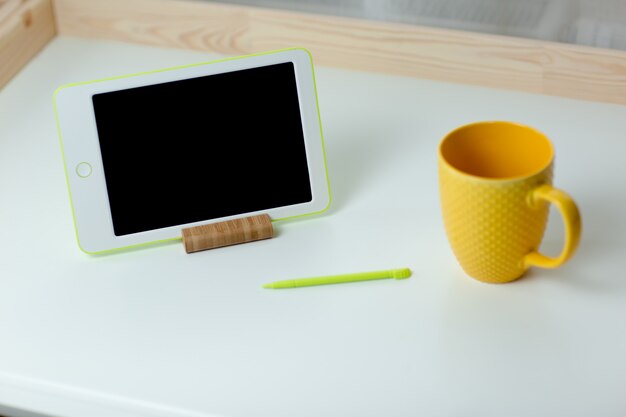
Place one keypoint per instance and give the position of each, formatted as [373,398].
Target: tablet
[149,154]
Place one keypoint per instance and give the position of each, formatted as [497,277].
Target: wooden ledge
[444,55]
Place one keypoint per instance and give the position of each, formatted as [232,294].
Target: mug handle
[571,219]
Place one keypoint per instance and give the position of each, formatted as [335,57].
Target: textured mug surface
[495,185]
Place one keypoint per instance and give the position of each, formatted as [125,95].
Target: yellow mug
[495,185]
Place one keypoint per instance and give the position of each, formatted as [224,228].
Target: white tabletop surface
[156,332]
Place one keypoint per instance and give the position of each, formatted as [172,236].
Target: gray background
[600,23]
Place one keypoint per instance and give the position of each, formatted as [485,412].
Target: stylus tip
[402,273]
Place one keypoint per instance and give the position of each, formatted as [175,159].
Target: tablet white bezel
[79,144]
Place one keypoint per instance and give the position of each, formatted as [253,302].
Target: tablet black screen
[202,148]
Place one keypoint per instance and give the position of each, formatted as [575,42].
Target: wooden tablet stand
[230,232]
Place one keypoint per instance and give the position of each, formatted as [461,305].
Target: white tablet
[149,154]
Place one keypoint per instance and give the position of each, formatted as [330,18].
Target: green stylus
[402,273]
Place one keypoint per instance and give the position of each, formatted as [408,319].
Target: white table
[156,332]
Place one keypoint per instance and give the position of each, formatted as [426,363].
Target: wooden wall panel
[26,26]
[487,60]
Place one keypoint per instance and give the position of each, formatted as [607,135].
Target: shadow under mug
[495,181]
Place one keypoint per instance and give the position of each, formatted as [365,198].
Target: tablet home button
[83,169]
